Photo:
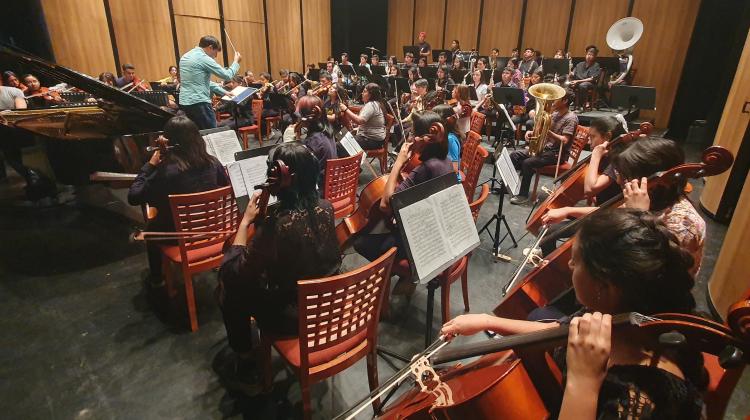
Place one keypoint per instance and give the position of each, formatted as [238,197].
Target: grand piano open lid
[115,113]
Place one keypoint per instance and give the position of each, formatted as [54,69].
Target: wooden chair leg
[383,162]
[445,300]
[190,297]
[536,185]
[465,287]
[385,311]
[372,374]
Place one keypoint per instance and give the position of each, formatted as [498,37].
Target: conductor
[196,68]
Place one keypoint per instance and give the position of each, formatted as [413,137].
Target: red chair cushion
[249,128]
[288,348]
[173,252]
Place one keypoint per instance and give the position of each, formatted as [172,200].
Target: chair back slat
[469,148]
[476,206]
[208,211]
[257,108]
[477,122]
[472,172]
[579,141]
[338,308]
[341,181]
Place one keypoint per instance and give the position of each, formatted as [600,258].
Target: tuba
[545,94]
[622,37]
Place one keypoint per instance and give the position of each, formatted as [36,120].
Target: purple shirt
[428,170]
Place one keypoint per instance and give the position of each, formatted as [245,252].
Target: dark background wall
[24,28]
[357,24]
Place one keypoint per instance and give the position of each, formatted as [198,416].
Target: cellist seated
[623,260]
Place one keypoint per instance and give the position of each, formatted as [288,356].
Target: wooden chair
[257,107]
[341,181]
[382,154]
[338,325]
[468,149]
[579,141]
[209,211]
[474,168]
[477,122]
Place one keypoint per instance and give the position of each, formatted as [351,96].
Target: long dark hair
[647,156]
[606,125]
[189,147]
[302,194]
[376,95]
[634,251]
[422,122]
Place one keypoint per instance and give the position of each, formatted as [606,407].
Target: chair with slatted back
[341,181]
[579,141]
[469,148]
[257,108]
[473,169]
[338,325]
[382,154]
[209,211]
[477,122]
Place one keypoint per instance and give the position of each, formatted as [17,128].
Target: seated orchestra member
[408,59]
[319,138]
[245,111]
[371,118]
[632,165]
[623,71]
[129,81]
[443,79]
[172,79]
[11,80]
[527,118]
[258,276]
[425,50]
[514,53]
[455,47]
[622,261]
[422,63]
[107,78]
[461,95]
[585,74]
[454,144]
[326,81]
[38,95]
[477,78]
[433,163]
[442,59]
[363,61]
[562,129]
[188,168]
[248,78]
[482,64]
[393,71]
[332,106]
[528,65]
[11,98]
[413,74]
[517,75]
[457,64]
[506,78]
[332,72]
[393,61]
[375,60]
[283,79]
[265,93]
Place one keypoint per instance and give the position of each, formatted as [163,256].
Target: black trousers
[549,246]
[11,142]
[526,163]
[368,143]
[373,245]
[201,114]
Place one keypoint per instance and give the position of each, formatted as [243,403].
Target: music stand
[322,66]
[610,64]
[508,179]
[436,55]
[400,84]
[501,63]
[458,75]
[404,72]
[557,66]
[486,76]
[428,72]
[634,97]
[414,49]
[508,95]
[380,70]
[313,75]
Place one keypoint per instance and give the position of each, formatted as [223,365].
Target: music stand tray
[428,72]
[640,97]
[508,95]
[414,49]
[558,66]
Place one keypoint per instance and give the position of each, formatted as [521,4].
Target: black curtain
[715,48]
[356,24]
[24,28]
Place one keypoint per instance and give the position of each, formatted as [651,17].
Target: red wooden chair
[209,211]
[473,169]
[338,325]
[341,181]
[382,154]
[257,107]
[579,141]
[469,148]
[477,122]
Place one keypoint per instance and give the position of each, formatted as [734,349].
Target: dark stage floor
[83,339]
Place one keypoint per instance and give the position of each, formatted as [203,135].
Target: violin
[571,190]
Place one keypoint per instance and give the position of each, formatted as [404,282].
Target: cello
[571,189]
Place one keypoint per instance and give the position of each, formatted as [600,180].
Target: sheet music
[456,219]
[236,92]
[223,145]
[254,173]
[508,172]
[428,247]
[351,145]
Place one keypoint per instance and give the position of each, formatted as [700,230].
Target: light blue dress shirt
[196,68]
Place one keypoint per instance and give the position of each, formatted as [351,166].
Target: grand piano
[90,141]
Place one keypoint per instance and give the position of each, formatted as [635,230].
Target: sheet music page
[456,221]
[223,145]
[429,249]
[236,92]
[234,169]
[507,172]
[254,173]
[351,145]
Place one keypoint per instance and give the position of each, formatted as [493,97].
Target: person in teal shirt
[454,144]
[196,68]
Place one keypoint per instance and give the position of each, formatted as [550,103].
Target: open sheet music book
[438,231]
[222,143]
[508,173]
[244,175]
[240,94]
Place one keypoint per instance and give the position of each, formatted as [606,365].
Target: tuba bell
[545,94]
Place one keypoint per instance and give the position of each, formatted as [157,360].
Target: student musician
[319,138]
[344,78]
[39,96]
[11,80]
[562,130]
[454,143]
[375,60]
[172,80]
[107,78]
[392,61]
[129,82]
[528,65]
[494,58]
[187,168]
[283,79]
[424,47]
[457,64]
[422,63]
[455,48]
[326,81]
[442,59]
[408,59]
[258,276]
[526,118]
[249,78]
[443,79]
[412,74]
[622,261]
[332,72]
[371,118]
[506,78]
[514,53]
[244,112]
[332,106]
[619,78]
[363,61]
[477,78]
[433,163]
[517,75]
[462,109]
[585,74]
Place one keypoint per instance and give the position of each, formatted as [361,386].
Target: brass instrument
[262,91]
[545,94]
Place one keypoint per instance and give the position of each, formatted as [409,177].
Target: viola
[571,190]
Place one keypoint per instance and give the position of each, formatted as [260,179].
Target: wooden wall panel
[660,54]
[284,35]
[316,15]
[400,24]
[501,22]
[546,25]
[201,8]
[136,37]
[250,40]
[190,30]
[244,11]
[463,22]
[428,17]
[591,21]
[80,40]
